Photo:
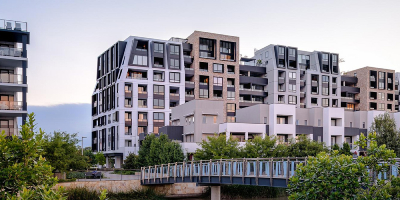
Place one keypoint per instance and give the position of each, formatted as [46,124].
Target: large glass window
[230,107]
[281,50]
[325,79]
[325,57]
[158,47]
[292,52]
[219,68]
[325,102]
[174,64]
[325,91]
[218,81]
[140,60]
[174,49]
[203,93]
[174,77]
[231,95]
[158,89]
[158,103]
[292,88]
[292,75]
[292,99]
[334,58]
[158,117]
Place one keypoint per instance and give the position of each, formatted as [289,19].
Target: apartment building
[138,81]
[216,69]
[377,89]
[14,38]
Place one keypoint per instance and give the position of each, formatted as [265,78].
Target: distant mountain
[72,118]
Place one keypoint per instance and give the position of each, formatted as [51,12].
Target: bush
[124,172]
[86,194]
[250,191]
[76,175]
[66,180]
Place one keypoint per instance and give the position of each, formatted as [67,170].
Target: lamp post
[82,145]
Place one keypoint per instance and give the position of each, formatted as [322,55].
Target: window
[355,74]
[333,122]
[217,81]
[281,98]
[334,58]
[381,83]
[325,90]
[174,64]
[226,47]
[281,50]
[381,106]
[265,120]
[230,107]
[325,79]
[351,124]
[305,122]
[319,139]
[140,60]
[218,68]
[363,125]
[325,102]
[156,129]
[292,99]
[319,122]
[204,119]
[297,122]
[215,119]
[158,89]
[325,57]
[158,76]
[141,129]
[174,49]
[281,120]
[314,101]
[292,88]
[142,103]
[174,77]
[230,119]
[292,75]
[206,44]
[158,117]
[292,52]
[203,93]
[158,103]
[128,143]
[266,54]
[231,95]
[158,47]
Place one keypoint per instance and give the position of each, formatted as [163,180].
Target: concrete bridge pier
[216,192]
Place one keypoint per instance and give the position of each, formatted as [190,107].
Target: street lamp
[82,145]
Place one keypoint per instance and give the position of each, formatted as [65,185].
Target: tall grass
[85,194]
[249,191]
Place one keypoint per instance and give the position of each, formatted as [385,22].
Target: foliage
[90,156]
[131,162]
[60,149]
[335,147]
[218,147]
[259,147]
[394,189]
[386,132]
[305,147]
[86,194]
[21,162]
[76,175]
[338,176]
[345,149]
[250,192]
[124,172]
[66,180]
[42,192]
[159,150]
[100,158]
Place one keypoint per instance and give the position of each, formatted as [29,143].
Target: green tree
[90,156]
[346,149]
[131,162]
[335,147]
[218,147]
[386,132]
[281,150]
[338,176]
[305,147]
[60,149]
[23,168]
[100,158]
[259,147]
[159,150]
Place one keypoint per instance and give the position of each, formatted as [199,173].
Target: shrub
[66,180]
[76,175]
[86,194]
[250,191]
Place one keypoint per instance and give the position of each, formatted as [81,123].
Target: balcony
[11,78]
[12,52]
[137,77]
[350,89]
[389,80]
[128,133]
[254,80]
[202,83]
[302,94]
[128,93]
[11,131]
[350,99]
[372,78]
[128,122]
[302,83]
[281,80]
[11,105]
[314,83]
[187,59]
[13,25]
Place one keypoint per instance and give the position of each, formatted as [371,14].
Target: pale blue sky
[67,36]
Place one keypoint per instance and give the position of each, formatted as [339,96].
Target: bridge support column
[215,192]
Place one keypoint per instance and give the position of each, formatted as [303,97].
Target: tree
[259,148]
[338,176]
[218,147]
[131,162]
[345,149]
[100,158]
[23,168]
[386,132]
[60,149]
[159,150]
[90,156]
[305,147]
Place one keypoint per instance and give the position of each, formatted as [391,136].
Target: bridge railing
[282,168]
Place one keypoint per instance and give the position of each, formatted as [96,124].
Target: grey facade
[14,38]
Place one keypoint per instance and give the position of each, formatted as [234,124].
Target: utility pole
[82,145]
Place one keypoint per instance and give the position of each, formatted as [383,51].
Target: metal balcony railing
[11,78]
[13,52]
[11,105]
[13,25]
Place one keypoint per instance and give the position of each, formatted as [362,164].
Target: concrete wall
[128,185]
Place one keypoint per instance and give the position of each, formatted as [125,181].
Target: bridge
[272,172]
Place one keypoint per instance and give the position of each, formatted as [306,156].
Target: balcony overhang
[13,113]
[12,87]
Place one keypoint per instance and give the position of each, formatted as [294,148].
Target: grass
[85,194]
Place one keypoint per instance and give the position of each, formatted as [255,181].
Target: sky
[68,36]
